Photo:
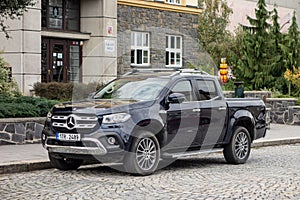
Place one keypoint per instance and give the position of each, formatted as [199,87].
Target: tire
[64,164]
[238,150]
[144,155]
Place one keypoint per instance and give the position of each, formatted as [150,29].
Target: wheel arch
[241,118]
[154,126]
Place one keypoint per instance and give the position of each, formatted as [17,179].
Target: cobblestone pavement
[270,173]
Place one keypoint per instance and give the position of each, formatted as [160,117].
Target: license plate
[68,137]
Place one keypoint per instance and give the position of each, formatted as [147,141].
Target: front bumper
[82,150]
[92,145]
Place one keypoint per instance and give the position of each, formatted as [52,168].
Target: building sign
[110,30]
[109,45]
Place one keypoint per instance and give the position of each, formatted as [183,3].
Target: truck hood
[101,106]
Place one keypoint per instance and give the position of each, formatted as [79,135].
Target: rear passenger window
[207,89]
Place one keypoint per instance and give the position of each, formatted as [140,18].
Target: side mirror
[91,95]
[176,98]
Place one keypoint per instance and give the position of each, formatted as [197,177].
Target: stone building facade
[156,36]
[94,40]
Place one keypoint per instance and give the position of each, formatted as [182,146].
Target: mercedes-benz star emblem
[71,122]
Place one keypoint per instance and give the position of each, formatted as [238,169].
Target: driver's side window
[184,87]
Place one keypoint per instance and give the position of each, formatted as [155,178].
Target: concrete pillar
[23,50]
[99,17]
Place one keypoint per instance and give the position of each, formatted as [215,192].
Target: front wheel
[238,150]
[64,164]
[143,158]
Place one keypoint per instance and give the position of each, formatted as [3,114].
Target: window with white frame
[140,48]
[177,2]
[173,51]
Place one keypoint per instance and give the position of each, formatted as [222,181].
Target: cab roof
[165,72]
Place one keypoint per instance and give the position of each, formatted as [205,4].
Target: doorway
[61,60]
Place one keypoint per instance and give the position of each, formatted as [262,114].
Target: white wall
[244,8]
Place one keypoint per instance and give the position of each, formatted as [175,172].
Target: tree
[278,65]
[12,9]
[294,77]
[291,48]
[255,65]
[213,21]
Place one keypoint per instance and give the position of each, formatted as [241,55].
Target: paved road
[270,173]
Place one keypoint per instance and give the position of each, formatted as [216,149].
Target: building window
[61,14]
[140,50]
[173,51]
[176,2]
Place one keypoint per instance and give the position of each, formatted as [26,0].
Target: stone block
[5,136]
[18,138]
[20,129]
[38,131]
[10,128]
[30,126]
[29,135]
[2,126]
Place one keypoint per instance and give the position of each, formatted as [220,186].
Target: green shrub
[11,110]
[65,91]
[8,86]
[298,102]
[24,106]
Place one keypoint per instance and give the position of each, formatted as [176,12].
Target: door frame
[66,53]
[65,59]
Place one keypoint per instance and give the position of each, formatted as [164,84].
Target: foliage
[24,106]
[8,86]
[298,102]
[254,67]
[294,77]
[12,9]
[65,91]
[213,36]
[278,65]
[291,47]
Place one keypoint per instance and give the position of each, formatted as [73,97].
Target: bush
[8,86]
[298,102]
[24,106]
[65,91]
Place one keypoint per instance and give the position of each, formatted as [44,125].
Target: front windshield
[139,89]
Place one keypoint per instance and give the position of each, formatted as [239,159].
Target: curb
[26,166]
[275,142]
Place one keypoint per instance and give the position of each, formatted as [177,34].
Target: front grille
[75,123]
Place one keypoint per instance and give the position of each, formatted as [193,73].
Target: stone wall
[21,131]
[158,23]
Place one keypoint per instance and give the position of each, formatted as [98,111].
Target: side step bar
[191,153]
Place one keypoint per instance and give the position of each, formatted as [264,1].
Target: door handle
[222,108]
[196,110]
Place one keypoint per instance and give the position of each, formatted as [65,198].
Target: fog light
[111,140]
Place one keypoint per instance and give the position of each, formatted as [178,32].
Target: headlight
[116,118]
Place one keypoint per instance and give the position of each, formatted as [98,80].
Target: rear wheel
[64,164]
[143,158]
[238,150]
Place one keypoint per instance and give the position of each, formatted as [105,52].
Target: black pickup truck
[148,116]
